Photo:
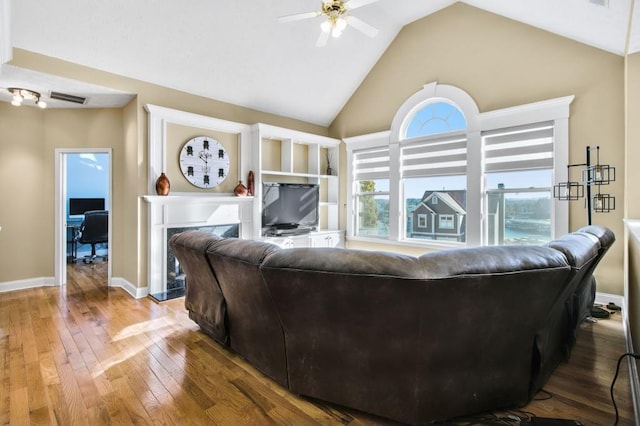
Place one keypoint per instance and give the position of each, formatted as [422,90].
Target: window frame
[556,110]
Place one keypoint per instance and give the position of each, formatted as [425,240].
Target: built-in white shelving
[291,156]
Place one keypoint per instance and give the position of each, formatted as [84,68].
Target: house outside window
[472,178]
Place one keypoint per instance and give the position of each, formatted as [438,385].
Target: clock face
[204,162]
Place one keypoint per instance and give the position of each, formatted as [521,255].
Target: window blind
[435,157]
[518,148]
[370,164]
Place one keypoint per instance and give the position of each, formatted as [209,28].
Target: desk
[73,229]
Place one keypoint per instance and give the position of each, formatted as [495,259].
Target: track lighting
[19,95]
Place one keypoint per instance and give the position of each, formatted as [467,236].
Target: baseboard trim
[27,283]
[606,298]
[633,368]
[135,292]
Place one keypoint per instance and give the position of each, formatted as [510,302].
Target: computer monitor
[77,206]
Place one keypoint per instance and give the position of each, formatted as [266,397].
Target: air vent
[603,3]
[68,98]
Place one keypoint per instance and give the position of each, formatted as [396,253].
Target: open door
[83,181]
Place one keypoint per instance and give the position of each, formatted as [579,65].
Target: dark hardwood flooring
[88,354]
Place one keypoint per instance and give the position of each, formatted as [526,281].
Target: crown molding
[6,48]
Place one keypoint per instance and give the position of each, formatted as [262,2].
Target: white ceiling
[237,51]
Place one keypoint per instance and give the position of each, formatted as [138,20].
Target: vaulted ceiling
[238,52]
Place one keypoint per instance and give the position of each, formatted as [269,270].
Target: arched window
[446,173]
[435,117]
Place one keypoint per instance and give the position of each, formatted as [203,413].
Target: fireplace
[227,216]
[175,275]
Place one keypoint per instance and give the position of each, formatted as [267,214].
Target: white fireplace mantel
[189,209]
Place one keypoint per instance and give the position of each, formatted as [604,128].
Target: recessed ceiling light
[603,3]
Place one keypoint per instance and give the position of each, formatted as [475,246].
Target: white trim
[6,45]
[430,92]
[135,292]
[27,283]
[633,367]
[158,119]
[372,140]
[60,248]
[535,112]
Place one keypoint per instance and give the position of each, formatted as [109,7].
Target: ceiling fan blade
[354,4]
[299,16]
[322,39]
[362,26]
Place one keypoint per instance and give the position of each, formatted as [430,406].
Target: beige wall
[502,63]
[27,172]
[26,240]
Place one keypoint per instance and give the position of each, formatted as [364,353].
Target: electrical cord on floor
[547,396]
[613,382]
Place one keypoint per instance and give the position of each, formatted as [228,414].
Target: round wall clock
[204,162]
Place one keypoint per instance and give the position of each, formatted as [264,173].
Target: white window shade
[519,148]
[371,164]
[435,157]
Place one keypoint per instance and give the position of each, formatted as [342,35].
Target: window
[434,173]
[518,181]
[435,117]
[446,221]
[371,170]
[452,175]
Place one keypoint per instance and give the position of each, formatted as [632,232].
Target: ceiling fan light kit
[337,19]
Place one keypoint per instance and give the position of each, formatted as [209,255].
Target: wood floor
[88,354]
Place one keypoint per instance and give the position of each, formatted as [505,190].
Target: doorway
[83,182]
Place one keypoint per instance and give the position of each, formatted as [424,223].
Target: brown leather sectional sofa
[414,339]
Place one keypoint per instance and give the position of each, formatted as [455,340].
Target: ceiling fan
[336,12]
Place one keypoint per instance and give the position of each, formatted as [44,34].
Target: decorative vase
[240,190]
[329,170]
[250,183]
[163,185]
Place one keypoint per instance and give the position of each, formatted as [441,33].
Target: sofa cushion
[203,297]
[489,260]
[255,331]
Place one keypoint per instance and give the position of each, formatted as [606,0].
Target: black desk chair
[94,230]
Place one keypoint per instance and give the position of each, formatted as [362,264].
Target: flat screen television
[289,208]
[77,206]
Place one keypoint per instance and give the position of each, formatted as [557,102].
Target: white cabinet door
[332,239]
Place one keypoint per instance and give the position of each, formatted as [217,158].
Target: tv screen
[77,206]
[290,206]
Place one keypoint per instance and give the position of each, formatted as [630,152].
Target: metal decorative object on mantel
[594,176]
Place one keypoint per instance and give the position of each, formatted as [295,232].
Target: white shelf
[292,174]
[297,157]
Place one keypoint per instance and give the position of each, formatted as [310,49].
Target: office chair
[94,230]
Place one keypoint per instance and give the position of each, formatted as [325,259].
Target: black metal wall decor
[594,176]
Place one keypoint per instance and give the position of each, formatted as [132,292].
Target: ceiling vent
[603,3]
[68,98]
